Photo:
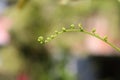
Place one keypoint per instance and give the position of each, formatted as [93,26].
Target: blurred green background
[23,21]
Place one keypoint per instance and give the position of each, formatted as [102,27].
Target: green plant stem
[80,29]
[95,35]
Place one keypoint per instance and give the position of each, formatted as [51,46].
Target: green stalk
[96,36]
[80,29]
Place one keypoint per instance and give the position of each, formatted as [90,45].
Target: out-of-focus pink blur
[5,25]
[97,46]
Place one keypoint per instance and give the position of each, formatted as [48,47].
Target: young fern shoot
[77,29]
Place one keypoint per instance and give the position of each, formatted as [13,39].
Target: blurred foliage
[32,18]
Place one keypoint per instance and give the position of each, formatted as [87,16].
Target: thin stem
[73,29]
[97,36]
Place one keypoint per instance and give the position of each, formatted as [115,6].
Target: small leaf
[93,30]
[48,38]
[105,38]
[80,27]
[64,29]
[56,32]
[46,41]
[72,26]
[52,36]
[40,38]
[41,42]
